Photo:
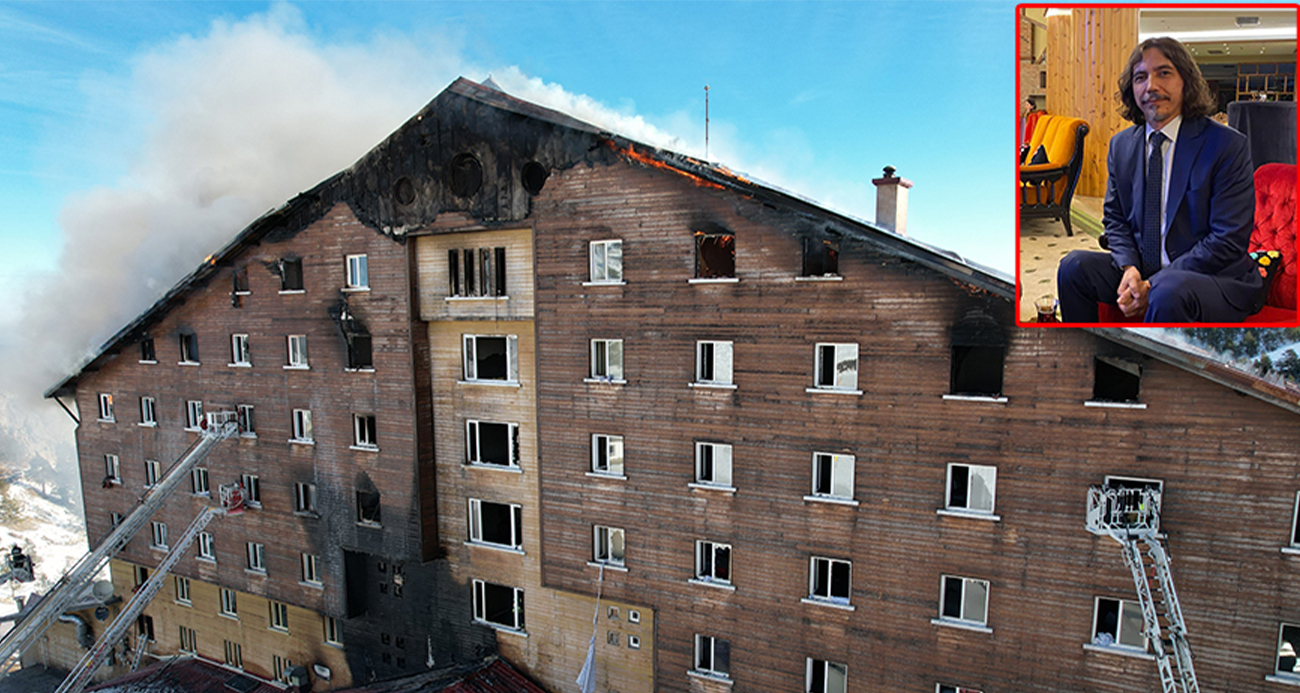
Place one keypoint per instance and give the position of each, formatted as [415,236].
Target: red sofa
[1274,230]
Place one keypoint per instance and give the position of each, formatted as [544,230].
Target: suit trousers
[1086,278]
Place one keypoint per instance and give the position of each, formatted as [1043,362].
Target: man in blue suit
[1180,204]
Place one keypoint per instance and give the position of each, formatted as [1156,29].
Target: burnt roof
[493,675]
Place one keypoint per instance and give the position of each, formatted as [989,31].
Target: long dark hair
[1197,99]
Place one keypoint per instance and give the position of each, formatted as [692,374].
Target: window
[964,599]
[112,470]
[114,519]
[368,507]
[499,524]
[713,363]
[239,281]
[607,360]
[607,454]
[360,351]
[304,497]
[712,656]
[280,668]
[827,677]
[491,358]
[477,272]
[1295,523]
[633,616]
[199,481]
[148,413]
[1118,622]
[713,562]
[182,590]
[147,353]
[715,255]
[244,416]
[193,415]
[491,443]
[252,490]
[144,627]
[633,642]
[106,407]
[189,640]
[239,355]
[608,546]
[189,348]
[229,606]
[158,535]
[152,472]
[940,688]
[713,464]
[971,487]
[837,367]
[499,605]
[358,272]
[606,261]
[333,632]
[256,556]
[363,432]
[977,370]
[829,580]
[297,351]
[1115,380]
[280,616]
[290,274]
[1288,643]
[234,654]
[207,546]
[833,475]
[821,257]
[310,569]
[140,574]
[301,426]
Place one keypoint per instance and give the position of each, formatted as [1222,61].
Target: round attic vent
[465,175]
[533,176]
[404,191]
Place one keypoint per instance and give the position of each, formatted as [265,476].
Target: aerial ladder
[1131,516]
[70,588]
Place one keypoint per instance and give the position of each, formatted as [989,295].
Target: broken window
[240,281]
[1295,523]
[829,580]
[239,354]
[713,464]
[978,350]
[1115,380]
[140,574]
[476,272]
[833,475]
[499,524]
[713,363]
[971,487]
[713,562]
[715,255]
[827,677]
[244,416]
[112,470]
[1118,622]
[941,688]
[607,454]
[252,490]
[713,656]
[964,599]
[358,268]
[608,546]
[304,497]
[821,257]
[359,352]
[606,259]
[607,360]
[363,432]
[193,414]
[491,357]
[147,354]
[499,605]
[491,443]
[106,407]
[1288,642]
[301,426]
[290,274]
[189,343]
[368,507]
[836,367]
[144,627]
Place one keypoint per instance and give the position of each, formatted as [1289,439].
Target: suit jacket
[1211,204]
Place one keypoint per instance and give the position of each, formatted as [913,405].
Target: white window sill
[201,494]
[604,475]
[206,559]
[1114,405]
[192,429]
[963,625]
[491,383]
[356,289]
[233,617]
[819,278]
[115,482]
[996,399]
[496,547]
[244,364]
[833,500]
[358,370]
[148,363]
[313,585]
[605,381]
[1291,550]
[831,391]
[243,293]
[712,386]
[107,420]
[302,441]
[364,448]
[715,584]
[713,280]
[608,282]
[188,363]
[368,524]
[1121,650]
[248,436]
[472,299]
[164,549]
[278,629]
[256,572]
[297,368]
[718,678]
[845,606]
[502,629]
[148,424]
[494,467]
[1287,679]
[253,505]
[291,292]
[972,514]
[703,486]
[181,603]
[616,567]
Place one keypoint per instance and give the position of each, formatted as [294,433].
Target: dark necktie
[1151,218]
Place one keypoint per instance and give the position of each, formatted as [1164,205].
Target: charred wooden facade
[807,453]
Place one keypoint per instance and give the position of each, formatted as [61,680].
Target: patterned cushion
[1269,264]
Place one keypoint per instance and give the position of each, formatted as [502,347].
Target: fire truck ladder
[1131,516]
[69,588]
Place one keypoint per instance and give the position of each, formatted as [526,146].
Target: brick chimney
[891,201]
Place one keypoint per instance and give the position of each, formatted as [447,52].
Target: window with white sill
[712,656]
[821,257]
[239,353]
[189,347]
[310,569]
[252,490]
[363,432]
[713,562]
[608,545]
[499,605]
[152,472]
[207,546]
[256,554]
[492,443]
[106,407]
[830,580]
[833,475]
[491,358]
[358,269]
[297,346]
[1118,622]
[199,481]
[496,524]
[148,411]
[244,417]
[826,677]
[112,469]
[964,600]
[607,454]
[304,497]
[971,488]
[715,254]
[713,363]
[607,360]
[291,274]
[606,259]
[836,367]
[476,272]
[302,431]
[1288,643]
[713,464]
[193,414]
[229,604]
[279,616]
[158,535]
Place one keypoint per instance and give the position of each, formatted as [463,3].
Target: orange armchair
[1046,189]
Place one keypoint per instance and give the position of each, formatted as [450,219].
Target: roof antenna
[706,122]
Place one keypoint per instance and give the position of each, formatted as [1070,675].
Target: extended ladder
[1131,516]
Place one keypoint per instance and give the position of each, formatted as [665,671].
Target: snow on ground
[52,535]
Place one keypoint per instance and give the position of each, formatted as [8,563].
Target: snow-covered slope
[52,535]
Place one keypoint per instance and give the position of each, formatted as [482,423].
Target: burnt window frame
[148,351]
[1108,391]
[710,267]
[516,623]
[188,343]
[478,530]
[828,261]
[706,564]
[291,276]
[470,350]
[239,285]
[369,514]
[474,444]
[603,546]
[478,273]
